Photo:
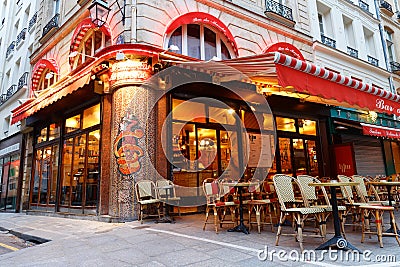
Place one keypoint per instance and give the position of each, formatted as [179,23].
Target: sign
[129,71]
[380,131]
[9,149]
[364,116]
[260,151]
[344,159]
[285,48]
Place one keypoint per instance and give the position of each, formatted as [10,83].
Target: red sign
[381,131]
[129,71]
[285,48]
[344,159]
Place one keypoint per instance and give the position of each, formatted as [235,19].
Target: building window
[321,24]
[93,42]
[200,41]
[369,42]
[47,79]
[389,44]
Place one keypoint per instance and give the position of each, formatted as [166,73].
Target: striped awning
[299,76]
[39,67]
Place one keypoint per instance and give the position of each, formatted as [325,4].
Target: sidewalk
[184,243]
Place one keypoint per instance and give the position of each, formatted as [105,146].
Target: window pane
[312,157]
[299,157]
[78,170]
[97,41]
[45,168]
[307,127]
[91,116]
[88,47]
[210,45]
[188,111]
[42,136]
[225,52]
[54,131]
[53,175]
[285,124]
[73,123]
[193,39]
[93,168]
[35,189]
[66,172]
[222,115]
[176,39]
[285,155]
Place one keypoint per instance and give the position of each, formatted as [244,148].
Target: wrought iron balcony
[373,61]
[277,11]
[52,25]
[11,91]
[10,49]
[395,67]
[328,41]
[364,6]
[386,7]
[32,22]
[352,52]
[21,37]
[23,81]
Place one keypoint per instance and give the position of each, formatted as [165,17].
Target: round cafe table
[240,185]
[388,185]
[166,217]
[337,240]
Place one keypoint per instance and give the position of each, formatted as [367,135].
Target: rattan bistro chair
[147,198]
[173,199]
[312,200]
[366,210]
[362,190]
[284,190]
[216,202]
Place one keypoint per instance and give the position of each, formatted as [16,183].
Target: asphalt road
[9,243]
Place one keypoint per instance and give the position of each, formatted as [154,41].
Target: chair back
[309,192]
[284,189]
[347,191]
[211,190]
[361,188]
[145,189]
[161,192]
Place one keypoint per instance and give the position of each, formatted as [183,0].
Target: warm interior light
[173,48]
[231,111]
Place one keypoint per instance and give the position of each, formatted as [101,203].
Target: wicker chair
[367,210]
[217,203]
[312,200]
[147,198]
[172,198]
[262,207]
[284,190]
[362,190]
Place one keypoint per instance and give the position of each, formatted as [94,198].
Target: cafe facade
[127,97]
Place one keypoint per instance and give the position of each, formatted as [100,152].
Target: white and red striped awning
[380,131]
[288,72]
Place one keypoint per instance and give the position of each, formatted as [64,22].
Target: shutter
[368,154]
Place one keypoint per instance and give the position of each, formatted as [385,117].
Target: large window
[200,41]
[47,79]
[389,44]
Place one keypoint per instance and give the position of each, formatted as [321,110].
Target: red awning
[380,131]
[43,100]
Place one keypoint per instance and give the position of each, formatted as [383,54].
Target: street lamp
[99,11]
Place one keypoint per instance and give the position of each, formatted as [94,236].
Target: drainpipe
[384,46]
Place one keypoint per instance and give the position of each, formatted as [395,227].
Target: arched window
[47,79]
[200,41]
[93,41]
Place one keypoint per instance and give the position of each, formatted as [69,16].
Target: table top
[334,184]
[384,182]
[242,184]
[165,187]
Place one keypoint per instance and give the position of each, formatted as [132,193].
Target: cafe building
[106,112]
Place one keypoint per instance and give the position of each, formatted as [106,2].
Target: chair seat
[329,207]
[379,202]
[309,210]
[148,201]
[221,203]
[259,202]
[376,207]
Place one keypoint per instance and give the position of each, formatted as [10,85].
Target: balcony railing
[373,61]
[32,22]
[328,41]
[279,9]
[11,91]
[53,24]
[10,49]
[23,81]
[352,52]
[386,5]
[363,5]
[395,66]
[21,37]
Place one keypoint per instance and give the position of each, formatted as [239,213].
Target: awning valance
[380,131]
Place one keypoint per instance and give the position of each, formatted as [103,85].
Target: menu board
[260,150]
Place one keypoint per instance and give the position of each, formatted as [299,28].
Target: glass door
[207,152]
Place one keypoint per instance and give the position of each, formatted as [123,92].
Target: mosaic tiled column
[131,103]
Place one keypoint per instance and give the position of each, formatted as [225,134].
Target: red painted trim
[285,48]
[203,18]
